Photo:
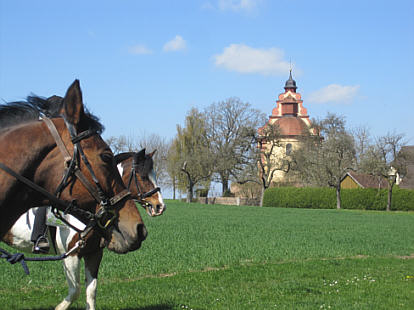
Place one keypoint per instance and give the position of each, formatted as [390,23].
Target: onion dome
[290,83]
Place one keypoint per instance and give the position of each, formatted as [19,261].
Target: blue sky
[144,64]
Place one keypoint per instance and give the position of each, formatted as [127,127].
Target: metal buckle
[109,221]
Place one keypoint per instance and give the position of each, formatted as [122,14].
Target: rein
[20,258]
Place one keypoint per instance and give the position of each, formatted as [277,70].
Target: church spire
[290,83]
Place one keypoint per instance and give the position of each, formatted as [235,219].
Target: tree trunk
[338,196]
[262,196]
[224,184]
[389,200]
[174,188]
[190,192]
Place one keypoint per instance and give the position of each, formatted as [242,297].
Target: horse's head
[137,170]
[90,175]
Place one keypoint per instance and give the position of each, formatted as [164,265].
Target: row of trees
[222,143]
[216,144]
[326,157]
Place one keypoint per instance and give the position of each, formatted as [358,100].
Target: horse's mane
[144,163]
[144,166]
[19,112]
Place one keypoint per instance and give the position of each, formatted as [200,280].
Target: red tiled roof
[292,126]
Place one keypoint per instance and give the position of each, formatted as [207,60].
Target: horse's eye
[107,157]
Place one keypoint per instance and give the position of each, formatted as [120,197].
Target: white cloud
[176,44]
[238,5]
[334,93]
[245,59]
[139,50]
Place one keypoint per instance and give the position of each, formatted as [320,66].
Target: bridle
[141,194]
[106,214]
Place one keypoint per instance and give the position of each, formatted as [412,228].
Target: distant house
[357,180]
[407,181]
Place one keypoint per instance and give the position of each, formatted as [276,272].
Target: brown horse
[132,166]
[66,156]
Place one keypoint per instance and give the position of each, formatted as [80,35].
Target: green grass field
[223,257]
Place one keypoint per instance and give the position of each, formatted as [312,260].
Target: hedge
[325,198]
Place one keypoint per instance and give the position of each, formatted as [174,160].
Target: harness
[141,194]
[106,214]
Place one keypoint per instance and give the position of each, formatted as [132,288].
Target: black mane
[19,112]
[143,162]
[145,166]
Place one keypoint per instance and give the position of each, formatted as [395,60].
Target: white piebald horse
[138,175]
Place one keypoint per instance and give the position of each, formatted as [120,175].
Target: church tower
[294,125]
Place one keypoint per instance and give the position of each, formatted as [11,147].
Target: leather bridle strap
[133,176]
[73,167]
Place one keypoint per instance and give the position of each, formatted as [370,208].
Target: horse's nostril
[142,232]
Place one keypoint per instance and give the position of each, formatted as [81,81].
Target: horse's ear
[141,155]
[72,108]
[152,153]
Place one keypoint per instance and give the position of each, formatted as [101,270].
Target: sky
[143,65]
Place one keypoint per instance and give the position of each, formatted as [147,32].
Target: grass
[222,257]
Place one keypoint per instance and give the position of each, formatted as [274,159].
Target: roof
[366,180]
[292,126]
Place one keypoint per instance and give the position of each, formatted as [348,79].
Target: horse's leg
[92,262]
[71,265]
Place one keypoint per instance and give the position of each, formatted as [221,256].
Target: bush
[325,198]
[402,199]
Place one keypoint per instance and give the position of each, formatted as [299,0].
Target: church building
[294,125]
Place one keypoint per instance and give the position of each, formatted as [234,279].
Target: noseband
[141,195]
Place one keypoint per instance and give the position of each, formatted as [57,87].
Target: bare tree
[227,124]
[363,141]
[121,144]
[325,158]
[262,164]
[151,142]
[386,160]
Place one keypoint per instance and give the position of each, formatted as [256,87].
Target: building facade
[294,124]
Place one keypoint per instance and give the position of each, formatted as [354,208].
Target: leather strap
[58,139]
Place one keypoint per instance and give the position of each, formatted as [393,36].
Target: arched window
[288,149]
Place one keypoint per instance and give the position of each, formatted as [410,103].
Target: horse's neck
[30,144]
[22,148]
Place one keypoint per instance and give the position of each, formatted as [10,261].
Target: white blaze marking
[153,178]
[120,169]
